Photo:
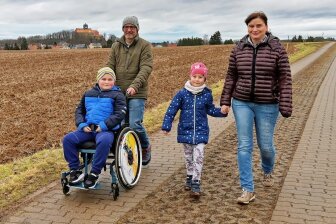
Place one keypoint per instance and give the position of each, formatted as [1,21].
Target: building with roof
[87,30]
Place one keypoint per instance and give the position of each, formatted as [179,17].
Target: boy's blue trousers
[73,140]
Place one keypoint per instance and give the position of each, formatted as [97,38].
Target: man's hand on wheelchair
[130,91]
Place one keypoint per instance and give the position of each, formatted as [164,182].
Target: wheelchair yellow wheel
[128,158]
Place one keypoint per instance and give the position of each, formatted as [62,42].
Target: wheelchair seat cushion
[88,145]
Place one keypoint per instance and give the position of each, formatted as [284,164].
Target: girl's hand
[165,132]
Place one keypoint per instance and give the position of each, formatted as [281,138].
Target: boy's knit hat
[198,68]
[131,20]
[103,71]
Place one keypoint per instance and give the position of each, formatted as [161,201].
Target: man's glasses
[129,27]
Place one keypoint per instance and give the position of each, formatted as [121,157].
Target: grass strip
[24,176]
[304,49]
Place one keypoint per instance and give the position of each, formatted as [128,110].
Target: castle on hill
[87,30]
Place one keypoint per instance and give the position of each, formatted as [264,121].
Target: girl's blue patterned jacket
[193,125]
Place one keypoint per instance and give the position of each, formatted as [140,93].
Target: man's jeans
[136,108]
[264,116]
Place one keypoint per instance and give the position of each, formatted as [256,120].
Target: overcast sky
[167,20]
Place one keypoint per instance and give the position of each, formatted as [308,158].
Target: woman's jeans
[264,116]
[136,110]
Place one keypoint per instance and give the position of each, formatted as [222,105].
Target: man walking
[132,60]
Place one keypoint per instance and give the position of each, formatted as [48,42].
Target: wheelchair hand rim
[128,174]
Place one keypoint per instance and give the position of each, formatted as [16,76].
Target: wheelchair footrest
[81,186]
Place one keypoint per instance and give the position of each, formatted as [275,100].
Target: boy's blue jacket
[193,125]
[104,108]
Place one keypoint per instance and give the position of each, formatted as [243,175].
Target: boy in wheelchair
[99,113]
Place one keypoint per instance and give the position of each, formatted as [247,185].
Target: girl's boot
[195,189]
[187,186]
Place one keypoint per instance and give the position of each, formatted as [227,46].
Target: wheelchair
[124,162]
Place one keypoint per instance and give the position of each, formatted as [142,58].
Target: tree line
[215,39]
[299,38]
[20,44]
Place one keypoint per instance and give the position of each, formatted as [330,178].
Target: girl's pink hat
[198,68]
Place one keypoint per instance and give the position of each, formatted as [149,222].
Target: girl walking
[195,102]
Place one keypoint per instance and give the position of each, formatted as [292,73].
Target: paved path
[309,191]
[303,63]
[51,206]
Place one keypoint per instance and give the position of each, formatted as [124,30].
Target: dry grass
[304,49]
[24,176]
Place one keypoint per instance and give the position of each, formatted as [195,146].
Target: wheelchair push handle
[126,119]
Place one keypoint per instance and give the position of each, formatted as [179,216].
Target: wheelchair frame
[125,168]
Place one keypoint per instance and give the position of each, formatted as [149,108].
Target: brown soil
[220,181]
[40,89]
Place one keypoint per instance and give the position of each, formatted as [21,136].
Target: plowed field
[40,89]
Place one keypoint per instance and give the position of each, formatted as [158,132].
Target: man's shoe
[146,155]
[246,197]
[91,181]
[76,176]
[268,180]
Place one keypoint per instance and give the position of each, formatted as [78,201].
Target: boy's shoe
[146,155]
[195,189]
[246,197]
[268,180]
[76,176]
[187,186]
[91,181]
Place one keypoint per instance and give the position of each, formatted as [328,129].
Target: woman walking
[258,85]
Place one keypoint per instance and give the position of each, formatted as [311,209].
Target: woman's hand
[225,109]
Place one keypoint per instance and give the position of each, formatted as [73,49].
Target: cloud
[166,20]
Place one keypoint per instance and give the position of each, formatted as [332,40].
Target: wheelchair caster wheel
[65,186]
[115,191]
[66,190]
